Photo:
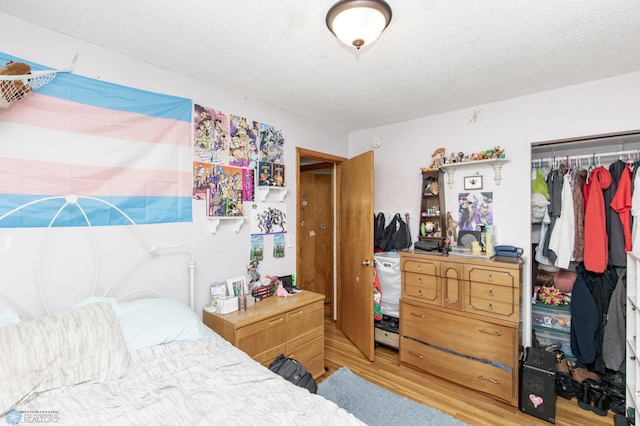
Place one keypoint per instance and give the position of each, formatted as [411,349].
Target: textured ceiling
[435,56]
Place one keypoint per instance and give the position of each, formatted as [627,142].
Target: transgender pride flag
[85,137]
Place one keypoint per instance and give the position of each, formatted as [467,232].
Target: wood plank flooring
[468,406]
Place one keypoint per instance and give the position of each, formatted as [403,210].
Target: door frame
[321,157]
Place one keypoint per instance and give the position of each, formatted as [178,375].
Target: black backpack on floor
[294,372]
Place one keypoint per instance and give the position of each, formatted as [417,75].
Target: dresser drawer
[421,267]
[492,276]
[421,287]
[480,376]
[492,300]
[315,366]
[466,336]
[263,340]
[306,352]
[304,324]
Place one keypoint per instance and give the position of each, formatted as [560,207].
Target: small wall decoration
[225,191]
[211,135]
[472,182]
[268,218]
[244,139]
[475,209]
[278,245]
[271,144]
[257,247]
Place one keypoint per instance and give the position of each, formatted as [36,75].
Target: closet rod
[590,157]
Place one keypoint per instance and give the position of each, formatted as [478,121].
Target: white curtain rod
[592,158]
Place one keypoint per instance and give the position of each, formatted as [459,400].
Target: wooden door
[315,218]
[355,251]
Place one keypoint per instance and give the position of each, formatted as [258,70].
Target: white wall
[599,107]
[220,256]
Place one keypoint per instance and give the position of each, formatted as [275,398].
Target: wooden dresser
[459,320]
[292,325]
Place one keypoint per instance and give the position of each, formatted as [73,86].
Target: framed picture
[236,286]
[472,182]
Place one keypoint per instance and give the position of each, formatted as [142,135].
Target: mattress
[194,382]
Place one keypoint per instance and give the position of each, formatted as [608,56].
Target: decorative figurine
[252,269]
[437,159]
[452,228]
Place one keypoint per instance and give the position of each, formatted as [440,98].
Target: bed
[132,361]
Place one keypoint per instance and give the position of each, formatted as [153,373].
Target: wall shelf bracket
[496,163]
[264,191]
[214,222]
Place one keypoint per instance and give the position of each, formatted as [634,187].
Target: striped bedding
[193,382]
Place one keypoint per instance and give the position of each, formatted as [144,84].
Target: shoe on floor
[579,374]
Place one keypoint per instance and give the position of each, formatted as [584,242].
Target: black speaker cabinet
[538,384]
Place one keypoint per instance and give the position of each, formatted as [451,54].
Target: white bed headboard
[70,263]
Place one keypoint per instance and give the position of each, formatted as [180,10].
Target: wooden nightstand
[291,325]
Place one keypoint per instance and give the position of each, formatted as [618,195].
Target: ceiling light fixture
[358,22]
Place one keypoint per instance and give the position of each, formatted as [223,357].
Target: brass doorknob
[366,262]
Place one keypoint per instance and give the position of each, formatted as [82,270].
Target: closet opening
[583,224]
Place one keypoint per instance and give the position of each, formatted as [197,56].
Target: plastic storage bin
[546,337]
[554,317]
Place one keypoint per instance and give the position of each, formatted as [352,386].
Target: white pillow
[154,321]
[75,346]
[150,322]
[9,317]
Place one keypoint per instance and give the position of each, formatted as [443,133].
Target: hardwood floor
[471,407]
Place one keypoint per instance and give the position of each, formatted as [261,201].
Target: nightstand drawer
[266,335]
[306,352]
[304,324]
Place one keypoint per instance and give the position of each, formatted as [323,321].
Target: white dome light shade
[358,22]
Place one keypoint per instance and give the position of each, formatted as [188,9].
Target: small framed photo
[236,286]
[472,182]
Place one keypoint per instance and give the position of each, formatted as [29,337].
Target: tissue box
[226,305]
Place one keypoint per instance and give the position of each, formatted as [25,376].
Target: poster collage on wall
[232,156]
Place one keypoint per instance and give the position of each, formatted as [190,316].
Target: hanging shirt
[635,212]
[562,235]
[596,242]
[578,211]
[554,183]
[615,233]
[621,203]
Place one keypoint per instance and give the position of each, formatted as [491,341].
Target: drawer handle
[493,333]
[417,355]
[419,268]
[490,278]
[418,315]
[491,306]
[420,293]
[276,320]
[495,381]
[296,313]
[491,292]
[419,280]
